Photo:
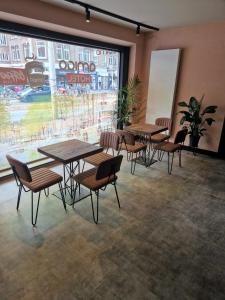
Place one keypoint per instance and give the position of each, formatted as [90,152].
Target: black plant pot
[194,140]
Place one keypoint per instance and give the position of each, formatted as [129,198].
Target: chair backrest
[164,122]
[180,136]
[109,167]
[109,139]
[127,137]
[19,168]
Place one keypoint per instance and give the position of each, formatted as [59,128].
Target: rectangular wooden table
[69,154]
[146,130]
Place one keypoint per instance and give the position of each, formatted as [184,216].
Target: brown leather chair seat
[88,179]
[108,140]
[96,159]
[128,143]
[159,138]
[42,179]
[171,148]
[98,178]
[35,181]
[133,148]
[167,147]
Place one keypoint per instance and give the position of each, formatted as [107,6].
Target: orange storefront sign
[13,76]
[79,78]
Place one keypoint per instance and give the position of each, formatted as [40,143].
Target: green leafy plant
[195,118]
[127,100]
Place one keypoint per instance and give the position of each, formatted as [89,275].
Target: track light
[87,15]
[138,30]
[89,7]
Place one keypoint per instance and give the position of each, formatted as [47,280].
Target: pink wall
[202,70]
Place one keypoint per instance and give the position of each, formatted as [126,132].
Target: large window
[59,92]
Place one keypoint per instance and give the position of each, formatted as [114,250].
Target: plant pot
[194,140]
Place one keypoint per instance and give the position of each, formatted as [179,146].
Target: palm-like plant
[195,118]
[126,101]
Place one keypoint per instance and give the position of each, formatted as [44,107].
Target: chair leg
[74,193]
[62,195]
[34,221]
[83,167]
[151,160]
[64,177]
[144,155]
[117,197]
[46,191]
[170,166]
[134,163]
[92,205]
[19,196]
[131,163]
[180,158]
[161,154]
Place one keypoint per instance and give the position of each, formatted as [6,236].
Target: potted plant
[127,99]
[195,118]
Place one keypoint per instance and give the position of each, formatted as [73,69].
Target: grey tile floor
[166,242]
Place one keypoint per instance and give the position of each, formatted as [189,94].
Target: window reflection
[50,92]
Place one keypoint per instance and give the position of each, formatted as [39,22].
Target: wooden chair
[127,143]
[108,140]
[34,181]
[161,137]
[98,178]
[171,148]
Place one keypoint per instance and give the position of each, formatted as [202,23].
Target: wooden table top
[144,128]
[69,151]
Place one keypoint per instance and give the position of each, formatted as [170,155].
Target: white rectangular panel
[162,83]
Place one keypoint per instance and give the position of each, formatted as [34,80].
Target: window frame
[39,47]
[15,52]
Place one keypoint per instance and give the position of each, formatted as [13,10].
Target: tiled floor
[166,242]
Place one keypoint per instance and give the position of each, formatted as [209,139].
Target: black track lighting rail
[110,14]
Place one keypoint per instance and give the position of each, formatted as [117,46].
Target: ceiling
[158,13]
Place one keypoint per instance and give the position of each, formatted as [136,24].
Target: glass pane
[51,92]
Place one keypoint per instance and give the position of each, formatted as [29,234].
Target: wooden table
[69,154]
[146,130]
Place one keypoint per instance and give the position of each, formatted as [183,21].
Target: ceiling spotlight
[87,15]
[138,30]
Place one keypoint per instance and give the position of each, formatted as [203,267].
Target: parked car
[40,94]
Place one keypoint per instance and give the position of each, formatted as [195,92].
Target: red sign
[13,76]
[78,78]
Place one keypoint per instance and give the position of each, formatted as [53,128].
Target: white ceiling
[159,13]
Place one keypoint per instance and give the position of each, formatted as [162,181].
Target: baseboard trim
[203,151]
